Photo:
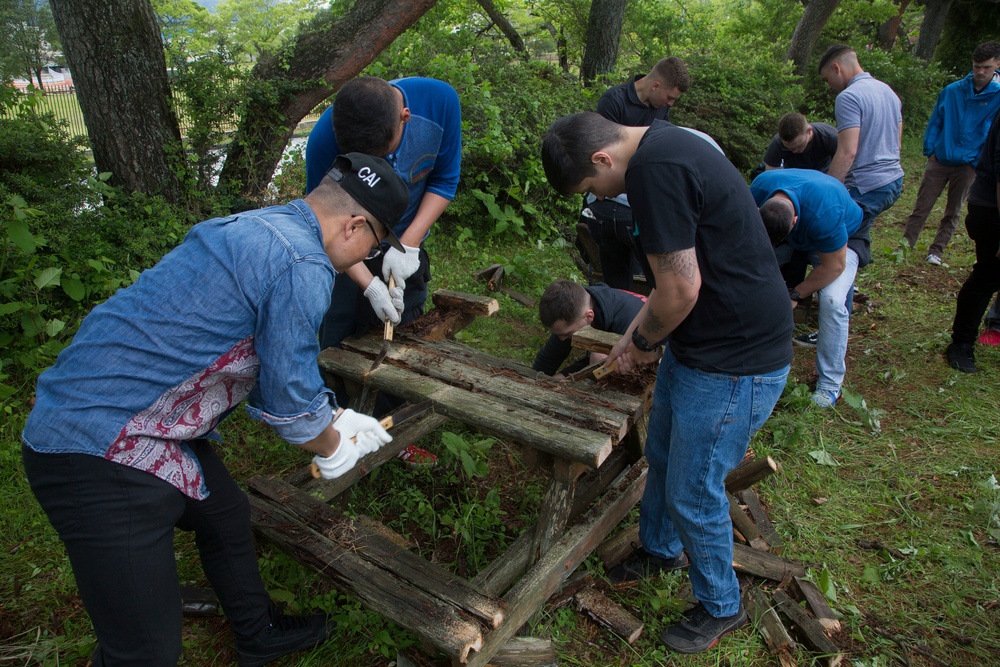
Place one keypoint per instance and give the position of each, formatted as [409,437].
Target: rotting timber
[588,436]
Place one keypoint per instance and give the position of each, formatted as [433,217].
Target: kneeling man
[807,210]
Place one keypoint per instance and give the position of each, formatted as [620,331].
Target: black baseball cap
[372,183]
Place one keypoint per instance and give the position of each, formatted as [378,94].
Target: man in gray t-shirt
[869,131]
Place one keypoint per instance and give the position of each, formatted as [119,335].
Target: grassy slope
[917,485]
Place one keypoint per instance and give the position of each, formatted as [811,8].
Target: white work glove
[359,435]
[401,265]
[388,304]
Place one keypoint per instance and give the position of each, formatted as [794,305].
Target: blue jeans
[699,429]
[879,199]
[834,320]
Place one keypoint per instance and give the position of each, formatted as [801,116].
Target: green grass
[919,484]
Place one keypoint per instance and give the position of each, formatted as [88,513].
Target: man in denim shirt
[118,446]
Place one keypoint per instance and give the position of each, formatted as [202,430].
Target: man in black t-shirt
[566,307]
[720,298]
[800,144]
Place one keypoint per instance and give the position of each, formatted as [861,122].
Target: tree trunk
[506,27]
[284,90]
[817,13]
[888,31]
[114,50]
[604,29]
[935,13]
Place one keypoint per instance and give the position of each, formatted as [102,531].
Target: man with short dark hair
[636,103]
[120,447]
[566,307]
[800,144]
[955,134]
[811,212]
[869,131]
[721,307]
[416,124]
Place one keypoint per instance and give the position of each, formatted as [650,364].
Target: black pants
[611,228]
[983,225]
[117,524]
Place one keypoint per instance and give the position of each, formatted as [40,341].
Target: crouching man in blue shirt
[807,210]
[119,449]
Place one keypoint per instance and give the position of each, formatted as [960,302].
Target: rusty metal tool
[386,343]
[593,371]
[400,416]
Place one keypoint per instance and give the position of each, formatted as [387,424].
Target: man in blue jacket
[954,136]
[416,124]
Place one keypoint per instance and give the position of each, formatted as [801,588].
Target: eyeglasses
[377,248]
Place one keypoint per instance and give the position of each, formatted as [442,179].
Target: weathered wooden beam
[474,304]
[431,619]
[761,520]
[481,411]
[809,629]
[742,523]
[594,340]
[750,472]
[818,605]
[548,574]
[383,553]
[779,643]
[569,405]
[609,614]
[525,652]
[763,564]
[556,506]
[450,323]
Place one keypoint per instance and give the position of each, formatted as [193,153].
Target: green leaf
[468,464]
[21,236]
[48,278]
[10,307]
[282,595]
[823,458]
[871,575]
[53,327]
[825,584]
[74,288]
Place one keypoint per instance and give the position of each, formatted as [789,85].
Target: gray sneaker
[699,631]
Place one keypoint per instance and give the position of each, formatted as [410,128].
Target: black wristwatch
[640,342]
[794,295]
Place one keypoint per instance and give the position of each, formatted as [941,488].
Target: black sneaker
[807,339]
[962,357]
[642,564]
[285,634]
[699,631]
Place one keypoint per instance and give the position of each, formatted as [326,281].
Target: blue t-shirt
[430,152]
[230,313]
[827,216]
[872,106]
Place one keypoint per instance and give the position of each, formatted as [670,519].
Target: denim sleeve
[290,394]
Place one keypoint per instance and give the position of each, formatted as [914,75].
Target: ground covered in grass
[891,498]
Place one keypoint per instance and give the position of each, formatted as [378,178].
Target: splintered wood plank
[376,549]
[779,643]
[809,628]
[608,613]
[745,525]
[548,574]
[474,304]
[525,652]
[616,549]
[818,605]
[556,506]
[761,520]
[569,405]
[434,621]
[594,340]
[486,413]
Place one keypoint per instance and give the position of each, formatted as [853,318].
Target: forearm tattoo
[682,263]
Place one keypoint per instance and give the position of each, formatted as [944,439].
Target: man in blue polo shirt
[416,124]
[807,210]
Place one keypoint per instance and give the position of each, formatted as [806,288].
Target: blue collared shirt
[230,314]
